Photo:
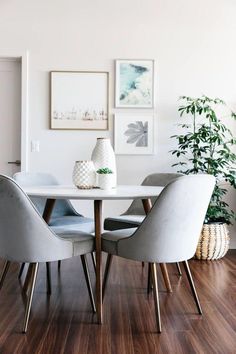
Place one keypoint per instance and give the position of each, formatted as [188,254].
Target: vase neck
[103,141]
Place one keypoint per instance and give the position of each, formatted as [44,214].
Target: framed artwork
[134,134]
[79,100]
[134,83]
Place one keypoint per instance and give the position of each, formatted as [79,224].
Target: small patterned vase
[84,176]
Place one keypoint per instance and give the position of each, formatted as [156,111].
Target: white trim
[23,56]
[24,112]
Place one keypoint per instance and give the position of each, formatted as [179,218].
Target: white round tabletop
[71,192]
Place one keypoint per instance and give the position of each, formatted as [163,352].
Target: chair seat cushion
[83,242]
[123,222]
[72,222]
[110,239]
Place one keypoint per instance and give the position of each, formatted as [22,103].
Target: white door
[10,116]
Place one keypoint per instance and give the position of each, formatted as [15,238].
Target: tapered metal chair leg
[192,286]
[59,265]
[27,278]
[4,272]
[178,268]
[106,273]
[156,295]
[88,281]
[21,270]
[49,288]
[94,261]
[30,297]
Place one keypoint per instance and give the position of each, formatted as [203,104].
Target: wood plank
[64,322]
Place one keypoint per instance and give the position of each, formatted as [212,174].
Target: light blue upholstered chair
[64,217]
[25,237]
[63,214]
[169,233]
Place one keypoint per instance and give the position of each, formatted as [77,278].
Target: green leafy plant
[205,146]
[104,171]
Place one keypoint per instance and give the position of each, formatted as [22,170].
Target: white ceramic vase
[105,181]
[84,175]
[103,156]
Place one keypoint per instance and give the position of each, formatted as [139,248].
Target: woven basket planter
[213,242]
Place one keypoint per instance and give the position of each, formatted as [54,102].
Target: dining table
[98,196]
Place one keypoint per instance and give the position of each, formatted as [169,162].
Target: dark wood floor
[64,323]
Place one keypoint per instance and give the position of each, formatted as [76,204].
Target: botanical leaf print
[137,133]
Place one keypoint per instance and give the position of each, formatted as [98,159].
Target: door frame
[24,59]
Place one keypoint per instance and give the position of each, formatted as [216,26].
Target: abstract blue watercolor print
[135,84]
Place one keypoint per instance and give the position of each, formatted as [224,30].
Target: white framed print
[134,86]
[79,100]
[134,134]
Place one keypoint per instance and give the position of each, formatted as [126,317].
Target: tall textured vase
[103,156]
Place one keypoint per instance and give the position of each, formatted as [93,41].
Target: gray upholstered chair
[25,237]
[170,232]
[64,217]
[135,214]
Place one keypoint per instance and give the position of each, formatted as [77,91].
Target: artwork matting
[134,85]
[134,134]
[79,100]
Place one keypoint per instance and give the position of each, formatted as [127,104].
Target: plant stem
[194,131]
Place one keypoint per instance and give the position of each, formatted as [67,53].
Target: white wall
[193,43]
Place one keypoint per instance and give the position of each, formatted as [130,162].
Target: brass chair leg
[192,286]
[27,278]
[94,261]
[156,295]
[178,268]
[21,270]
[49,288]
[4,272]
[30,297]
[88,281]
[106,273]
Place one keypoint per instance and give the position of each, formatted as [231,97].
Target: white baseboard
[232,244]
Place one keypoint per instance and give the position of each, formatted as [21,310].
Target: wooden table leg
[166,278]
[46,216]
[48,209]
[98,231]
[147,205]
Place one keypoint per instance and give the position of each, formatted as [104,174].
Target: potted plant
[105,178]
[205,146]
